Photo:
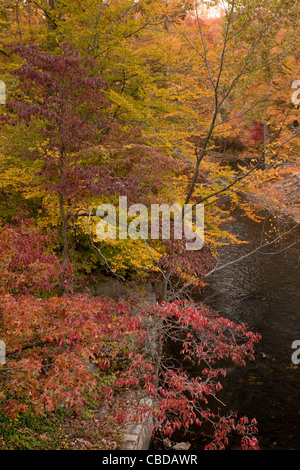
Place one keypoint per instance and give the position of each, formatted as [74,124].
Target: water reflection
[263,291]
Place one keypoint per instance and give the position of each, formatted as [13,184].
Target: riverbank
[281,197]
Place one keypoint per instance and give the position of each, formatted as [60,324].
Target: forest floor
[62,430]
[97,427]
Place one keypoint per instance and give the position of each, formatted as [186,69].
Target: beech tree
[240,64]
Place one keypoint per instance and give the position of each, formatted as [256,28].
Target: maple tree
[52,342]
[67,105]
[26,266]
[72,160]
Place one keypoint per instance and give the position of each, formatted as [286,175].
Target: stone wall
[138,436]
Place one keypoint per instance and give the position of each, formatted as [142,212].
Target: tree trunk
[64,231]
[50,21]
[266,142]
[64,224]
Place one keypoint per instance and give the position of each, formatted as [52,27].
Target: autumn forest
[156,104]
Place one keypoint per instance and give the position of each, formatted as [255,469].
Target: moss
[95,428]
[30,432]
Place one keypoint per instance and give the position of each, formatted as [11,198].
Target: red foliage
[26,265]
[70,97]
[182,262]
[206,340]
[257,132]
[52,344]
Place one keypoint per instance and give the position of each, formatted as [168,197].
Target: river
[263,290]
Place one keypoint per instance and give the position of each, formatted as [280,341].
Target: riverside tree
[74,350]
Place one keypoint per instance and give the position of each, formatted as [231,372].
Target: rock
[181,446]
[111,289]
[166,443]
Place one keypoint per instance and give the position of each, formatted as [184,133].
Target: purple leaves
[63,91]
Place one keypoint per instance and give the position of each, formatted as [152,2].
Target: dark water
[263,290]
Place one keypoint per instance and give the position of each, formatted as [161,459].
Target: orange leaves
[71,350]
[65,351]
[52,343]
[13,408]
[26,266]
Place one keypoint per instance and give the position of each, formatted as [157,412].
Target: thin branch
[255,250]
[229,263]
